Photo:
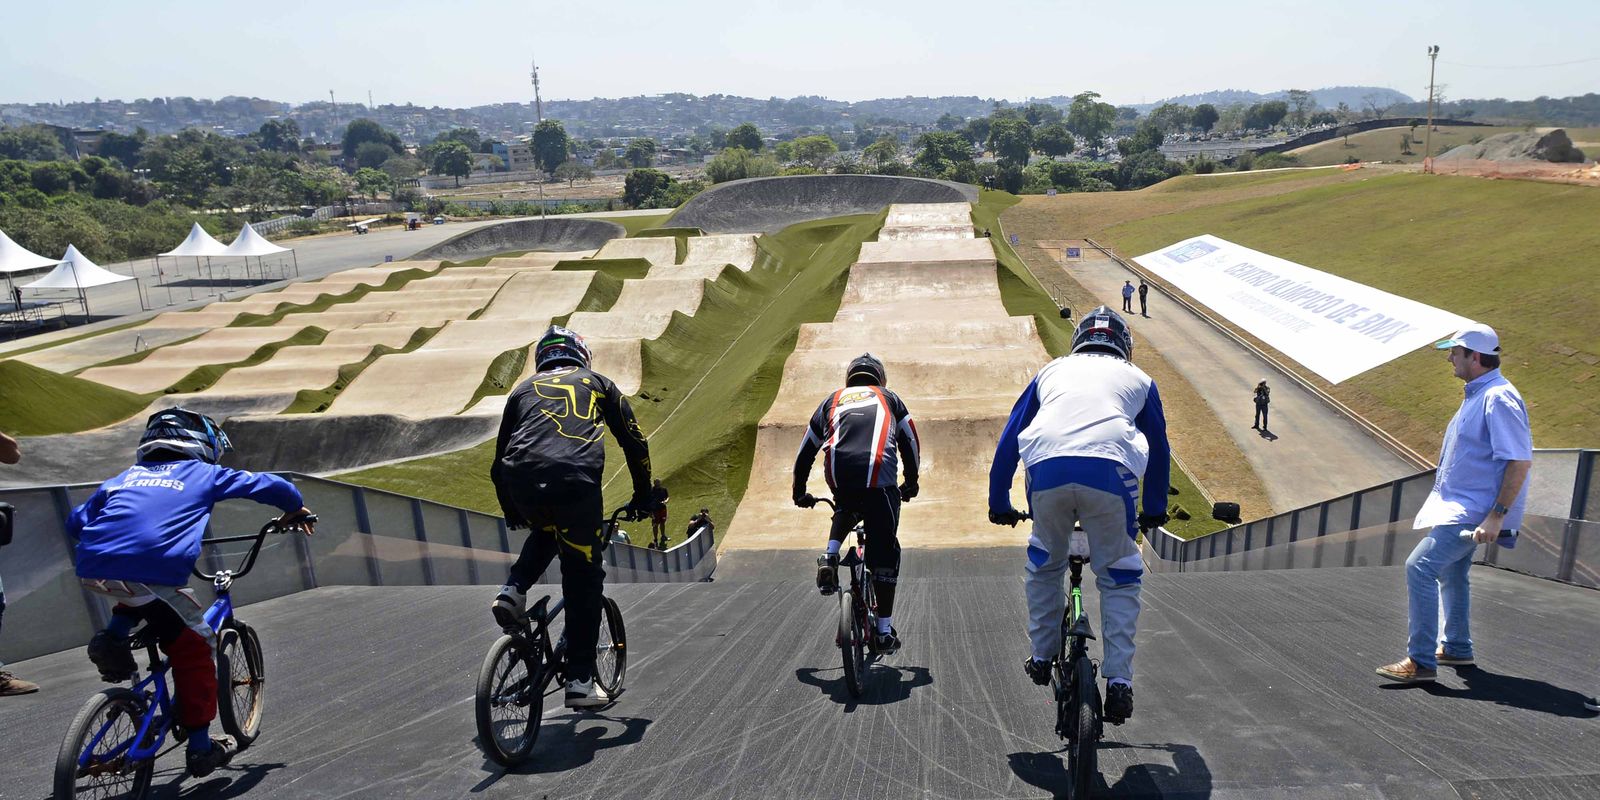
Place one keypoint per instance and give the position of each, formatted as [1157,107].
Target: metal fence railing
[366,537]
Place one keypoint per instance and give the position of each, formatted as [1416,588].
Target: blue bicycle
[111,748]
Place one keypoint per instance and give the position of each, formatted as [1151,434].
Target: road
[1250,685]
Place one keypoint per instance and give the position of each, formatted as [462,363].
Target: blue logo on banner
[387,259]
[1074,252]
[1013,238]
[1190,251]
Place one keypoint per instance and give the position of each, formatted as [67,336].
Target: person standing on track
[1481,487]
[138,539]
[1127,296]
[1263,399]
[1144,298]
[1087,428]
[865,433]
[548,461]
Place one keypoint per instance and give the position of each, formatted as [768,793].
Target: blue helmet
[185,433]
[1105,331]
[560,346]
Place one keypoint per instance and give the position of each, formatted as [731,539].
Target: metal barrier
[366,537]
[1560,536]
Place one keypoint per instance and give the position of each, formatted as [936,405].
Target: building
[515,155]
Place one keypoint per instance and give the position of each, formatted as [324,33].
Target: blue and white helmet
[186,433]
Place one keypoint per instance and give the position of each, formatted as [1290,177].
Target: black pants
[1127,304]
[566,523]
[1261,416]
[1143,305]
[879,512]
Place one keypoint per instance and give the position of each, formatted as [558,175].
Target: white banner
[1337,328]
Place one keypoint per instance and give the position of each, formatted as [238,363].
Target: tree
[1042,114]
[372,182]
[256,190]
[59,177]
[745,135]
[572,171]
[371,155]
[1146,139]
[1011,140]
[940,152]
[1265,115]
[467,136]
[1345,132]
[1343,113]
[400,168]
[1303,103]
[1321,118]
[1053,139]
[1375,104]
[814,150]
[977,130]
[784,151]
[1204,117]
[1146,168]
[645,188]
[277,135]
[365,130]
[949,122]
[1089,119]
[883,151]
[30,143]
[453,159]
[641,153]
[551,145]
[122,147]
[1171,117]
[1405,144]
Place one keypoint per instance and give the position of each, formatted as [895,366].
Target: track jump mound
[661,250]
[1553,146]
[526,234]
[768,205]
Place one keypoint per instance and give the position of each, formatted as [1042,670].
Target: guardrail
[1394,445]
[1560,537]
[366,537]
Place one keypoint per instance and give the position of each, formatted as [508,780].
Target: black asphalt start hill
[1250,685]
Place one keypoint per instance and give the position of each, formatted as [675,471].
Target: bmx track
[768,205]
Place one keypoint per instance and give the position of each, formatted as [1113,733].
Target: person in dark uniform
[865,434]
[1144,298]
[548,462]
[1263,399]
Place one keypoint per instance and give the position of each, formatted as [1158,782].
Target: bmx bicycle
[1079,713]
[522,665]
[858,610]
[111,747]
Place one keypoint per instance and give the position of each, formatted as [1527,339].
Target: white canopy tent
[249,244]
[16,258]
[197,245]
[77,273]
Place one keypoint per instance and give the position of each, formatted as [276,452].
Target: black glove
[805,500]
[638,508]
[909,489]
[1009,516]
[1148,522]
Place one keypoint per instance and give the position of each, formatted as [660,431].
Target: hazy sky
[472,52]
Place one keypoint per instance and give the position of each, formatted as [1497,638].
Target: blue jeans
[1436,580]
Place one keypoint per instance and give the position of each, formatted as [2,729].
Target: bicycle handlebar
[249,563]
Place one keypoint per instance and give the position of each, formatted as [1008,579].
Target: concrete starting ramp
[931,309]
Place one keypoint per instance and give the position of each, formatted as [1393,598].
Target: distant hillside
[1329,97]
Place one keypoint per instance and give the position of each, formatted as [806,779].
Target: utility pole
[538,117]
[538,104]
[369,99]
[1433,60]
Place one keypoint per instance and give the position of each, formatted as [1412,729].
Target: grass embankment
[1384,144]
[634,223]
[309,401]
[623,269]
[1023,295]
[707,380]
[38,402]
[1518,255]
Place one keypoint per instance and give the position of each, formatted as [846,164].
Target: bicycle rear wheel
[852,643]
[241,684]
[611,652]
[509,701]
[1082,751]
[114,716]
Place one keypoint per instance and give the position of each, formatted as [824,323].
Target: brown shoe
[1406,671]
[1446,660]
[11,684]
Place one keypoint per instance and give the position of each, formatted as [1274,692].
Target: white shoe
[586,694]
[509,606]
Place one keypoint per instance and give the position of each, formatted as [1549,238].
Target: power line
[1523,66]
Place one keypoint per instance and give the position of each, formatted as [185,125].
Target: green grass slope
[38,402]
[706,381]
[1518,255]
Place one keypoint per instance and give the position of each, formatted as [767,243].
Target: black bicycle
[1079,714]
[521,666]
[858,610]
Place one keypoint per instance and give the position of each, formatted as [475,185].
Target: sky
[474,52]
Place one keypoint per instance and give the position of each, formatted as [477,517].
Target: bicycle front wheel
[509,702]
[93,761]
[852,643]
[1082,753]
[241,684]
[611,652]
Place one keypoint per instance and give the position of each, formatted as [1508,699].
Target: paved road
[1318,453]
[1251,685]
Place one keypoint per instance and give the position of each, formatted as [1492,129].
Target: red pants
[177,620]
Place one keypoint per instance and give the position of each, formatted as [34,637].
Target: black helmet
[865,369]
[1105,331]
[184,433]
[560,346]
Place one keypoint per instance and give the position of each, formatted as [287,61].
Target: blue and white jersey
[1087,405]
[145,524]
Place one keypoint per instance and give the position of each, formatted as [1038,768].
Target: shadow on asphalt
[568,742]
[1187,778]
[234,780]
[1507,690]
[885,684]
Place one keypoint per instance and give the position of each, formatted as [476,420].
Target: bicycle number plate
[1078,545]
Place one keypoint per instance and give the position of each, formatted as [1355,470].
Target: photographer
[10,684]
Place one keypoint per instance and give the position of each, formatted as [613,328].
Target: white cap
[1477,337]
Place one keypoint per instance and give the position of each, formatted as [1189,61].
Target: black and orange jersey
[865,434]
[553,433]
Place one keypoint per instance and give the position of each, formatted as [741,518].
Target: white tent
[78,273]
[197,245]
[249,244]
[16,258]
